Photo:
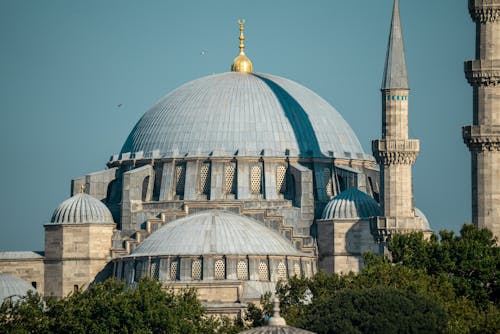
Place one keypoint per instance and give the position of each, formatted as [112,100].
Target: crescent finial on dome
[241,63]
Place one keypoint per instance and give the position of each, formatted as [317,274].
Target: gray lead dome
[82,209]
[242,114]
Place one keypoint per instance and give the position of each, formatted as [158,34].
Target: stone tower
[395,152]
[483,136]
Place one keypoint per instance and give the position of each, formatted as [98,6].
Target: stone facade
[483,136]
[75,255]
[28,266]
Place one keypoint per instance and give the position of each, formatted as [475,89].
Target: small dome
[14,287]
[425,222]
[242,64]
[351,204]
[82,209]
[215,233]
[276,330]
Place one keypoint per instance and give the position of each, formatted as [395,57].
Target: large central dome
[242,114]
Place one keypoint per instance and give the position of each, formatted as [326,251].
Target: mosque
[237,180]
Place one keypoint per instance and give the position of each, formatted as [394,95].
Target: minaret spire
[395,75]
[395,152]
[241,63]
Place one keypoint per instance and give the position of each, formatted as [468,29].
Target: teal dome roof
[242,114]
[82,209]
[351,204]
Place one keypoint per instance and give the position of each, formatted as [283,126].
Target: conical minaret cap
[395,75]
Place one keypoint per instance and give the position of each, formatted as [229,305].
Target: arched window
[282,271]
[155,269]
[204,185]
[174,268]
[180,179]
[263,271]
[296,269]
[145,185]
[230,178]
[220,270]
[256,179]
[242,270]
[281,186]
[196,270]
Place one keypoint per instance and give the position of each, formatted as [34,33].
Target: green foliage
[256,315]
[457,275]
[471,261]
[111,307]
[374,310]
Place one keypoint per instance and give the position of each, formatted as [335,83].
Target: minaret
[394,152]
[483,136]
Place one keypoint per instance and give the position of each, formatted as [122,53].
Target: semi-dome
[13,287]
[215,232]
[351,204]
[242,114]
[82,209]
[425,222]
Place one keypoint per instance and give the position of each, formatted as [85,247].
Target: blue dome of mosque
[242,114]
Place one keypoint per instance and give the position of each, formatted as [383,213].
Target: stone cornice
[482,72]
[396,151]
[484,11]
[481,138]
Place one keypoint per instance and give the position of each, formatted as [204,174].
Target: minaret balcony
[396,151]
[482,137]
[482,72]
[484,10]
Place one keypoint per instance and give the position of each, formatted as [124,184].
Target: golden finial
[82,188]
[242,63]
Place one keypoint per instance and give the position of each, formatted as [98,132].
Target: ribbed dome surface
[215,232]
[426,226]
[244,114]
[351,204]
[12,286]
[82,209]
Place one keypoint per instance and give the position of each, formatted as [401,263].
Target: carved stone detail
[482,73]
[396,151]
[484,11]
[481,138]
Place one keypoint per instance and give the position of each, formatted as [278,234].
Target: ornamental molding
[482,72]
[484,11]
[482,138]
[395,158]
[396,151]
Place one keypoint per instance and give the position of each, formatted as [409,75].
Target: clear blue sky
[65,66]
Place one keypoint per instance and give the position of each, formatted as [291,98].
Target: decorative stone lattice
[242,270]
[256,179]
[230,178]
[220,269]
[308,272]
[196,270]
[173,270]
[281,180]
[263,271]
[180,179]
[296,269]
[281,271]
[155,270]
[204,185]
[328,182]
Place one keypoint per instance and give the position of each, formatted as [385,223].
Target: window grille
[242,270]
[296,269]
[173,270]
[308,270]
[220,269]
[196,270]
[256,179]
[328,182]
[204,185]
[155,269]
[281,271]
[263,271]
[180,179]
[281,180]
[230,179]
